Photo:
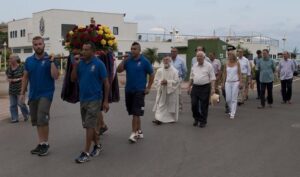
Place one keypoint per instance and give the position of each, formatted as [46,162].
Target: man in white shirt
[246,76]
[202,86]
[286,70]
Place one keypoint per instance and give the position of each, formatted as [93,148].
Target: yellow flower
[115,42]
[100,32]
[71,32]
[107,36]
[107,30]
[103,42]
[110,42]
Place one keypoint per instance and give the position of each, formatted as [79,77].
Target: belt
[204,85]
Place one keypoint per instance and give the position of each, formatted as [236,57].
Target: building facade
[54,24]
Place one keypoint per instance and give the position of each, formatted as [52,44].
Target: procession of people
[91,79]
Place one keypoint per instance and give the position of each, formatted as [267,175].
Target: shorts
[90,113]
[39,111]
[135,103]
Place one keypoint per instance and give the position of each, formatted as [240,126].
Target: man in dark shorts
[91,74]
[40,72]
[137,68]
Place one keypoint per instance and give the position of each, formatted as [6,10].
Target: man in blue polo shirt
[137,68]
[91,74]
[40,72]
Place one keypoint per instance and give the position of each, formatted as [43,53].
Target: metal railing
[153,37]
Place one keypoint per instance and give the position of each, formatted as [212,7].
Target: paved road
[258,143]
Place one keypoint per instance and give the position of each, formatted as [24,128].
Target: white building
[54,24]
[254,43]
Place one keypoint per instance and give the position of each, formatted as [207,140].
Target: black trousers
[286,89]
[269,87]
[200,102]
[257,73]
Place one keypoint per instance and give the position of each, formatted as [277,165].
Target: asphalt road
[258,143]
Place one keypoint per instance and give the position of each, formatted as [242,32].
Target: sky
[272,18]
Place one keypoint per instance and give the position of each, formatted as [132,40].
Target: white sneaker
[231,116]
[132,137]
[139,134]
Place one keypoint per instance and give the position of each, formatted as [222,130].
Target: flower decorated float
[105,43]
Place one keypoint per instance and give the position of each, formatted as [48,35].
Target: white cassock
[167,99]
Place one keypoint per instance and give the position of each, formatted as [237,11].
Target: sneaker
[14,121]
[44,150]
[83,157]
[231,116]
[36,150]
[96,150]
[139,134]
[102,130]
[132,138]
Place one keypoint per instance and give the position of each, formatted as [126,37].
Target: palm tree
[151,55]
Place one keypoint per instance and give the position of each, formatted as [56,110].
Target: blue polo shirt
[136,73]
[41,83]
[90,77]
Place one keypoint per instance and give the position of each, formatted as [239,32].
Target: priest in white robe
[167,83]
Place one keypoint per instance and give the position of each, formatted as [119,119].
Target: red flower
[94,39]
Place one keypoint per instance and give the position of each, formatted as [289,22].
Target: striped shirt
[15,87]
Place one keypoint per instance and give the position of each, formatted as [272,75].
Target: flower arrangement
[100,35]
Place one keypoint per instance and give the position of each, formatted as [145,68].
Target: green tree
[3,38]
[151,54]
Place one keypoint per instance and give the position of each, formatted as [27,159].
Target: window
[28,50]
[116,30]
[11,35]
[16,50]
[16,34]
[22,32]
[65,29]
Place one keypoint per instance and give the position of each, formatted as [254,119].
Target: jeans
[14,103]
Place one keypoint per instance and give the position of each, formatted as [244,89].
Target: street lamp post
[284,40]
[4,45]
